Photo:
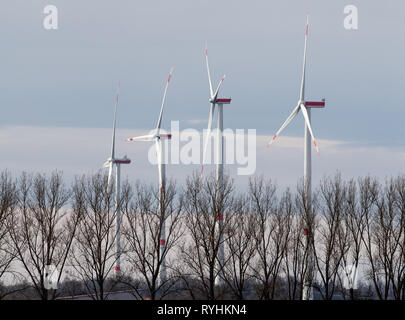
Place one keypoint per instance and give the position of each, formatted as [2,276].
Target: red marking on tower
[306,31]
[162,242]
[306,232]
[220,217]
[116,268]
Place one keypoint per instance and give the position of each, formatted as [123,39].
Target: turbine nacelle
[220,101]
[124,160]
[315,104]
[312,104]
[165,136]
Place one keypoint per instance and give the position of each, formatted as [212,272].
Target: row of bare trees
[355,230]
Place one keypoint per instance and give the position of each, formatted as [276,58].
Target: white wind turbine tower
[110,163]
[214,100]
[156,138]
[305,106]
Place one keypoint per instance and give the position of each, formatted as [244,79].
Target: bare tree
[331,237]
[205,204]
[271,237]
[387,231]
[276,243]
[369,191]
[43,230]
[144,220]
[294,256]
[93,253]
[8,202]
[241,247]
[350,241]
[398,268]
[303,244]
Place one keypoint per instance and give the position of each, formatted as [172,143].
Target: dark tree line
[353,231]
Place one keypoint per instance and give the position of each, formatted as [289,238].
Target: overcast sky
[57,87]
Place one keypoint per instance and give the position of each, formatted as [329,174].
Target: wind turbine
[305,107]
[214,100]
[156,138]
[110,163]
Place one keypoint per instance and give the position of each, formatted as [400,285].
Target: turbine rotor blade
[219,86]
[164,99]
[148,137]
[106,164]
[302,92]
[306,117]
[208,71]
[212,109]
[115,122]
[290,117]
